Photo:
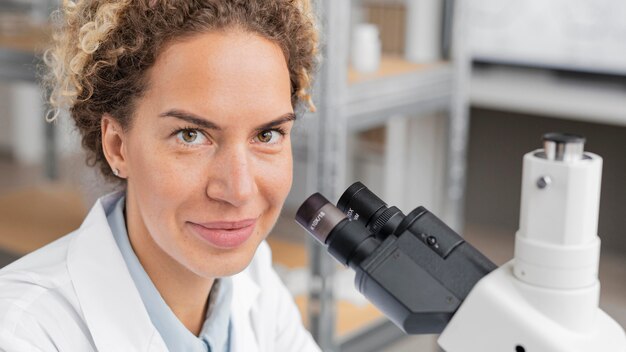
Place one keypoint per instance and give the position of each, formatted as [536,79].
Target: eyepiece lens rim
[347,196]
[309,208]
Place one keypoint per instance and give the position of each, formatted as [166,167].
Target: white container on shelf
[366,48]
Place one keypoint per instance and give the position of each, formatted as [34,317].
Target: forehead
[221,73]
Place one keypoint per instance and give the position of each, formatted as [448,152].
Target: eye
[191,136]
[269,136]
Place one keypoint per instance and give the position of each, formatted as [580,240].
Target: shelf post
[327,148]
[453,211]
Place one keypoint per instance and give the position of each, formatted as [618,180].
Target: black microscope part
[414,268]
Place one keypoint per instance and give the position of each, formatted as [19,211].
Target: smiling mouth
[224,234]
[228,225]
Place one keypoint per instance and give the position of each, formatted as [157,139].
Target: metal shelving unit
[422,89]
[20,57]
[349,103]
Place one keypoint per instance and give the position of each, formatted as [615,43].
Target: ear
[113,145]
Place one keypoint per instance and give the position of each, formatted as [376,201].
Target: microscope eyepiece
[361,204]
[318,216]
[348,241]
[563,146]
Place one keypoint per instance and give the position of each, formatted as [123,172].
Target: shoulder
[35,276]
[38,305]
[45,268]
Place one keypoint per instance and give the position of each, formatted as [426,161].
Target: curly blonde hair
[103,49]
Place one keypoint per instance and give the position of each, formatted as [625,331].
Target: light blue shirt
[215,334]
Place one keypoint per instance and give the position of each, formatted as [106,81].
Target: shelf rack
[20,58]
[350,102]
[399,87]
[590,98]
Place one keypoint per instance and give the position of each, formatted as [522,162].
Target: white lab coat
[76,294]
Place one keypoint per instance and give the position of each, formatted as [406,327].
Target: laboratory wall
[498,141]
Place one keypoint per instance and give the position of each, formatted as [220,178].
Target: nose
[232,179]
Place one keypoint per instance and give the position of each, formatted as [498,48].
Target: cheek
[274,186]
[276,180]
[154,167]
[162,181]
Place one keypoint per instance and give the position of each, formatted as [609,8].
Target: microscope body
[545,299]
[428,275]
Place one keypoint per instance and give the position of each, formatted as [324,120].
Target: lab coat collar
[243,334]
[111,305]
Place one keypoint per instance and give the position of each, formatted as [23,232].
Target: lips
[224,234]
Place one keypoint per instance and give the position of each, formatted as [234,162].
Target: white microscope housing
[547,298]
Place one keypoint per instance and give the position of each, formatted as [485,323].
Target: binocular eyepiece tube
[414,268]
[346,239]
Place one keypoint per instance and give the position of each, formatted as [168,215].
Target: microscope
[426,279]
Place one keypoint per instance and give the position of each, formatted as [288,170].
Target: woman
[189,104]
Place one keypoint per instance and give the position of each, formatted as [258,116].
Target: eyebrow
[204,123]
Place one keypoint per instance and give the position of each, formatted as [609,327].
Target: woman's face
[208,155]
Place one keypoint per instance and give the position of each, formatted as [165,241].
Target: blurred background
[427,102]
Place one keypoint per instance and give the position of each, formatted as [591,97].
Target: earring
[116,172]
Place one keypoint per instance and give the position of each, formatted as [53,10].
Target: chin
[225,263]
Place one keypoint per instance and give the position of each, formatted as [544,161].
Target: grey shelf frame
[348,108]
[21,66]
[370,103]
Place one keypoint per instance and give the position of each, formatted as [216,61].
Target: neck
[184,292]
